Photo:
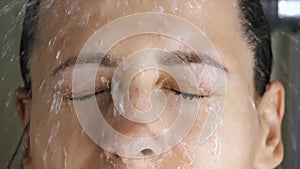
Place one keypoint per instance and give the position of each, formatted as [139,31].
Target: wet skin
[247,136]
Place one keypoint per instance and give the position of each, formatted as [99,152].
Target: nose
[137,135]
[138,140]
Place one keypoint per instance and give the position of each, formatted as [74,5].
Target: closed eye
[187,95]
[87,96]
[171,86]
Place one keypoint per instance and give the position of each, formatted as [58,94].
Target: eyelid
[170,86]
[83,97]
[83,94]
[185,95]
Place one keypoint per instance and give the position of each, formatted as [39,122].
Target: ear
[23,104]
[271,111]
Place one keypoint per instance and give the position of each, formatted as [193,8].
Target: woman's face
[232,129]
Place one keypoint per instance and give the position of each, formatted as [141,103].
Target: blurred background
[284,18]
[11,16]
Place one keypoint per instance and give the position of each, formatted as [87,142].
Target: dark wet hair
[28,40]
[254,26]
[258,34]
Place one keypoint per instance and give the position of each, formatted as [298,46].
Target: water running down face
[248,133]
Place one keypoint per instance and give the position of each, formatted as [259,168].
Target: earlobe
[271,111]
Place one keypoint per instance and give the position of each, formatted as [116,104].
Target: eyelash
[86,97]
[188,95]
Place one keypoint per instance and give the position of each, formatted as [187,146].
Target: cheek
[58,141]
[201,148]
[233,143]
[239,130]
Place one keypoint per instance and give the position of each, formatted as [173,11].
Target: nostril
[147,152]
[116,155]
[111,156]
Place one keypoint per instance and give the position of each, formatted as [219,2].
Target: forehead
[65,26]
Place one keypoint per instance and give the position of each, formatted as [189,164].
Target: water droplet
[174,8]
[58,53]
[56,103]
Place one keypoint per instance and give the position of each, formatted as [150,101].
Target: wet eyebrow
[190,57]
[168,60]
[100,59]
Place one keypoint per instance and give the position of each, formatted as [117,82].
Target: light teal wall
[284,70]
[10,128]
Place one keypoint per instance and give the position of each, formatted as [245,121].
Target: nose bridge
[140,89]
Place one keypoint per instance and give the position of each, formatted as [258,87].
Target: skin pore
[248,135]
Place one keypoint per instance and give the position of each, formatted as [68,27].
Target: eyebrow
[190,57]
[107,60]
[101,59]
